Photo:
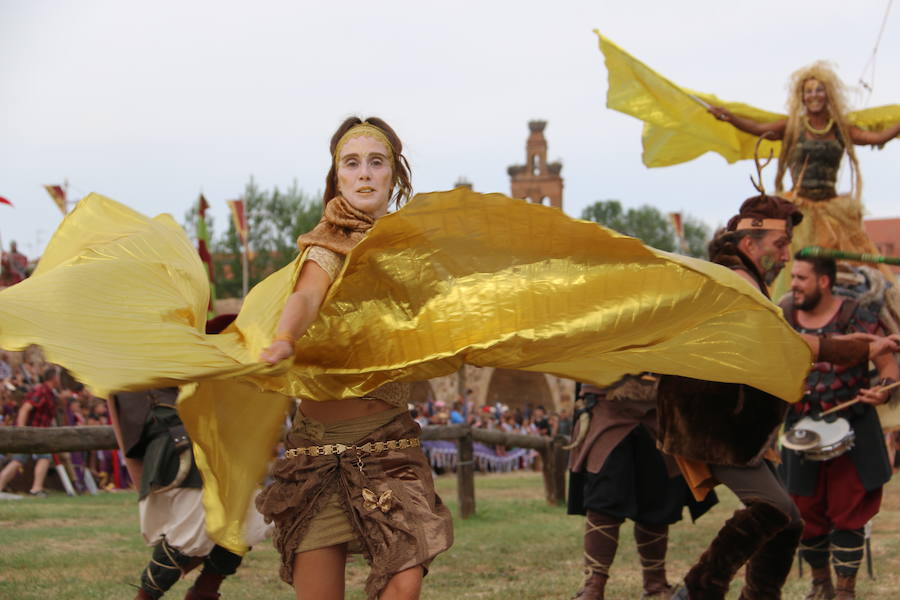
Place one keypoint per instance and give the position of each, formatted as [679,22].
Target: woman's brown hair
[401,176]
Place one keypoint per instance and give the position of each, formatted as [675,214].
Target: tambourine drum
[819,440]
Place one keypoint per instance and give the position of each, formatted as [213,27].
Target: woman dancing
[354,478]
[454,277]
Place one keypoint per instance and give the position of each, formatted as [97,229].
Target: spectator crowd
[38,394]
[526,420]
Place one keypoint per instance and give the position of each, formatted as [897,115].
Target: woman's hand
[722,114]
[276,352]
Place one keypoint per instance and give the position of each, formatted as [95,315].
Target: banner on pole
[59,196]
[203,251]
[677,224]
[240,219]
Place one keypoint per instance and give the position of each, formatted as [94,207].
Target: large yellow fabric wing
[677,127]
[453,277]
[876,118]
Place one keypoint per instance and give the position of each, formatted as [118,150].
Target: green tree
[608,213]
[275,220]
[649,225]
[697,236]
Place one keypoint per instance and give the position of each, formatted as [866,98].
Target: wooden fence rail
[39,440]
[44,440]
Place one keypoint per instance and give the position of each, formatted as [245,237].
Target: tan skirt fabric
[315,502]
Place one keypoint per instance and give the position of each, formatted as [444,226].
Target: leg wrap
[739,539]
[814,550]
[601,540]
[769,567]
[652,542]
[847,547]
[166,566]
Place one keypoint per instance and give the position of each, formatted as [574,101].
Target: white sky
[150,102]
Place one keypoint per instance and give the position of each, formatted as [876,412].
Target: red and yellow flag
[677,224]
[59,196]
[240,219]
[5,201]
[203,251]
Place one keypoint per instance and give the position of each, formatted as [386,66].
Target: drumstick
[857,400]
[841,406]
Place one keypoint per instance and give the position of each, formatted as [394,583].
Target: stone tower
[537,180]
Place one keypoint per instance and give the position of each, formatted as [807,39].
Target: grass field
[516,547]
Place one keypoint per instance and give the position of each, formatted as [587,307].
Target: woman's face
[365,176]
[815,97]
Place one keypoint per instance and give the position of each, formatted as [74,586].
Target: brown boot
[738,540]
[206,587]
[846,587]
[601,540]
[652,542]
[594,587]
[822,588]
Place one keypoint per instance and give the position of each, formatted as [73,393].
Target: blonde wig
[837,110]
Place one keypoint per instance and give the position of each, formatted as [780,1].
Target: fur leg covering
[770,565]
[738,540]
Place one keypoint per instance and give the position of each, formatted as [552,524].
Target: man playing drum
[836,483]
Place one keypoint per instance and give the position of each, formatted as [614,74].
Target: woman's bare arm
[775,129]
[861,137]
[299,312]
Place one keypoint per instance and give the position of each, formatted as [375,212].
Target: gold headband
[767,224]
[360,130]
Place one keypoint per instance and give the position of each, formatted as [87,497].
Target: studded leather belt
[368,448]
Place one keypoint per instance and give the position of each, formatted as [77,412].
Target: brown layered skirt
[384,504]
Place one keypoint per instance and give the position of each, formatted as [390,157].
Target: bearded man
[836,497]
[725,433]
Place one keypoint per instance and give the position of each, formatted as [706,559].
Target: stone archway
[519,388]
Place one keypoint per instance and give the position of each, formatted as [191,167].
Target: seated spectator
[10,401]
[38,410]
[541,423]
[456,414]
[5,368]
